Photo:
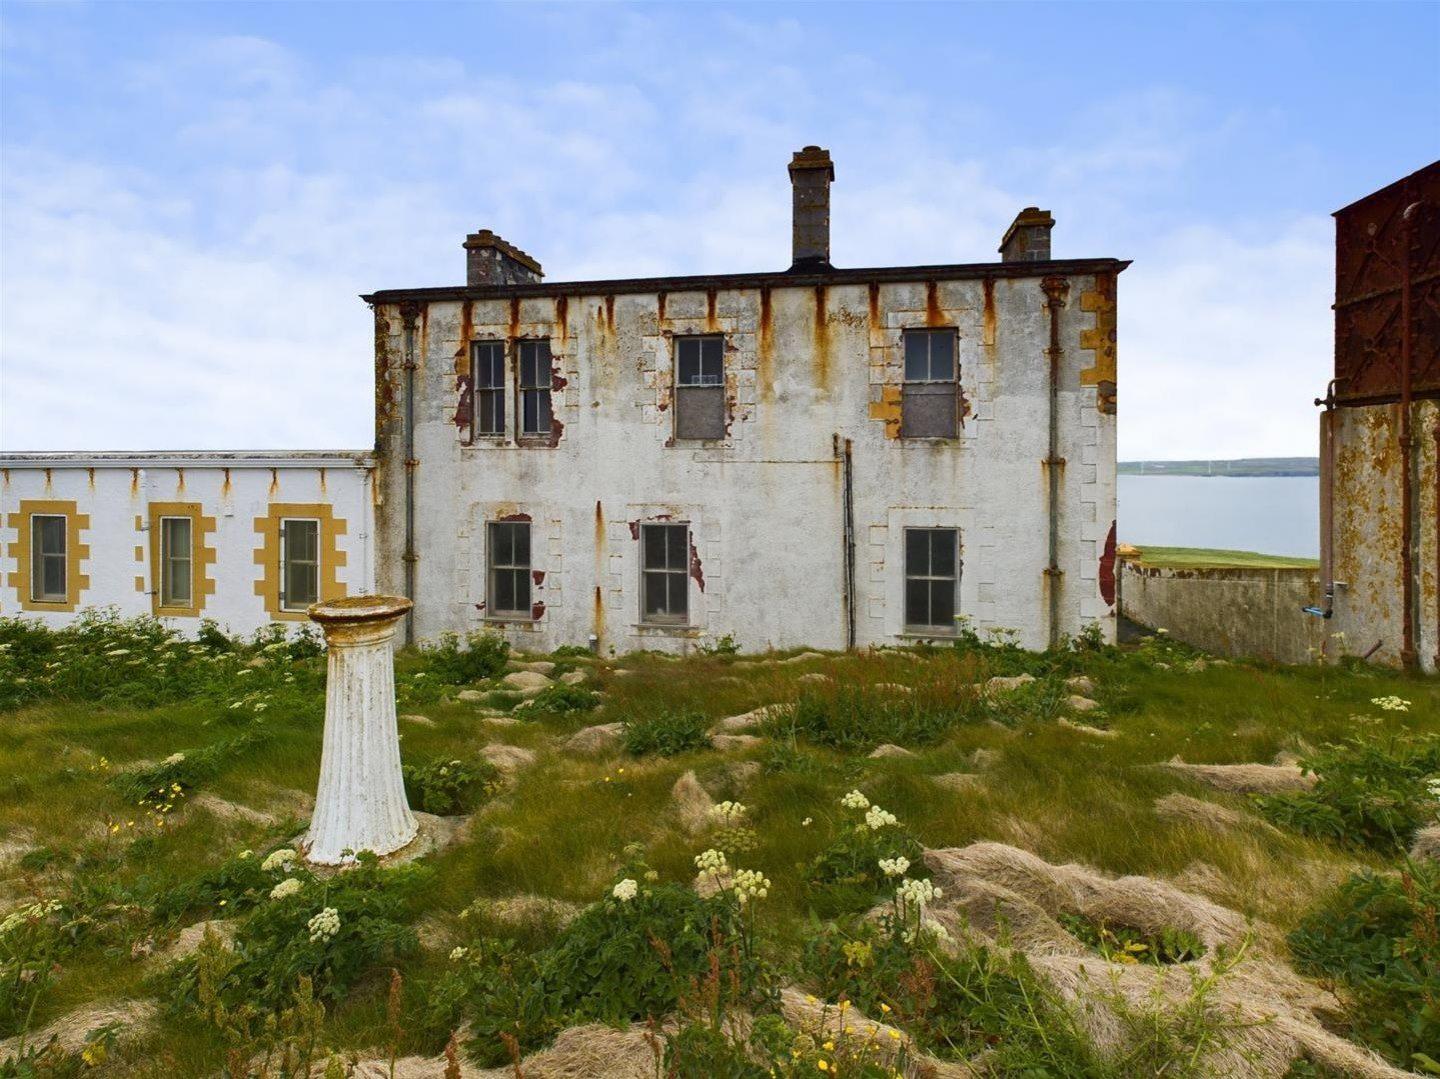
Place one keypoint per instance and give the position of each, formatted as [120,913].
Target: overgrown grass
[564,829]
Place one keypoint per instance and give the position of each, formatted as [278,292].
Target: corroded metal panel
[1387,292]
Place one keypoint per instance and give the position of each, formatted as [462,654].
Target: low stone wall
[1231,612]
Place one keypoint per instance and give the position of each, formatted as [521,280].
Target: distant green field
[1208,558]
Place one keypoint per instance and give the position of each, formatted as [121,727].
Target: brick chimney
[811,173]
[1028,237]
[489,260]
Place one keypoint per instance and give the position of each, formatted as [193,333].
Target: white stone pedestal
[360,803]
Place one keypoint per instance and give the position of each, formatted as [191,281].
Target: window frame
[496,391]
[667,618]
[165,599]
[931,386]
[38,555]
[545,391]
[523,571]
[932,629]
[715,389]
[283,543]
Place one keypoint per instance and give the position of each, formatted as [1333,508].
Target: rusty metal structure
[1380,432]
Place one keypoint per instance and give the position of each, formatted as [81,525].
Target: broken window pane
[508,548]
[489,376]
[664,578]
[931,577]
[535,382]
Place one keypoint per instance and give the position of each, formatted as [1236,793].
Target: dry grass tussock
[1244,778]
[1266,1016]
[1183,809]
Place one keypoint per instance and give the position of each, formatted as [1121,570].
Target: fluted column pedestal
[360,803]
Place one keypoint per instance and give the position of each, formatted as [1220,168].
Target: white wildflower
[286,888]
[711,863]
[626,890]
[118,652]
[728,813]
[751,884]
[915,895]
[34,912]
[324,925]
[1391,703]
[855,800]
[877,818]
[894,867]
[278,859]
[1433,785]
[457,954]
[175,758]
[807,822]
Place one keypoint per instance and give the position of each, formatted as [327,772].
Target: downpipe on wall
[1056,289]
[845,451]
[408,313]
[1408,532]
[1327,503]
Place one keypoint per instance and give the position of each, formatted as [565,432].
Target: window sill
[521,621]
[928,635]
[666,629]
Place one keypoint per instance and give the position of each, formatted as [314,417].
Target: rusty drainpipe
[1408,655]
[409,312]
[1327,502]
[1436,626]
[1056,289]
[843,448]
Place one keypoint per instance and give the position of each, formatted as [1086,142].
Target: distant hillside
[1241,466]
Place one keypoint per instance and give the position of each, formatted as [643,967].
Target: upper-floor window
[48,567]
[299,563]
[932,563]
[488,358]
[929,402]
[176,562]
[700,387]
[665,573]
[535,381]
[508,552]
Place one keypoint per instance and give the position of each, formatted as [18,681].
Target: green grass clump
[1120,943]
[449,785]
[666,734]
[561,699]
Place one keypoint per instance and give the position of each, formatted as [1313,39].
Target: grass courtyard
[654,866]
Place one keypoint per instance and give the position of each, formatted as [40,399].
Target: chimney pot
[811,173]
[490,260]
[1028,237]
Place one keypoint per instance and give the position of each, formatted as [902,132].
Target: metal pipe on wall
[409,313]
[1056,289]
[1408,655]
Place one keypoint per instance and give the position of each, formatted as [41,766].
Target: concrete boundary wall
[1230,612]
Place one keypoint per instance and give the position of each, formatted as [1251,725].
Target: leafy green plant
[327,930]
[32,940]
[621,960]
[722,646]
[1377,934]
[157,786]
[562,699]
[666,733]
[232,887]
[1120,943]
[1370,792]
[447,786]
[869,854]
[482,655]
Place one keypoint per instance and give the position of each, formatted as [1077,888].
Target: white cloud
[211,301]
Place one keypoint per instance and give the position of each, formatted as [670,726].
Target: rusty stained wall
[1368,530]
[803,365]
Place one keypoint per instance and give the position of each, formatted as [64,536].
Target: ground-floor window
[665,573]
[508,552]
[932,562]
[299,563]
[48,558]
[176,562]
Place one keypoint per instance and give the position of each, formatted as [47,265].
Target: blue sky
[191,196]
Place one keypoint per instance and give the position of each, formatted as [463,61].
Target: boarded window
[47,558]
[665,576]
[534,359]
[508,551]
[299,563]
[700,387]
[176,562]
[489,379]
[932,564]
[929,403]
